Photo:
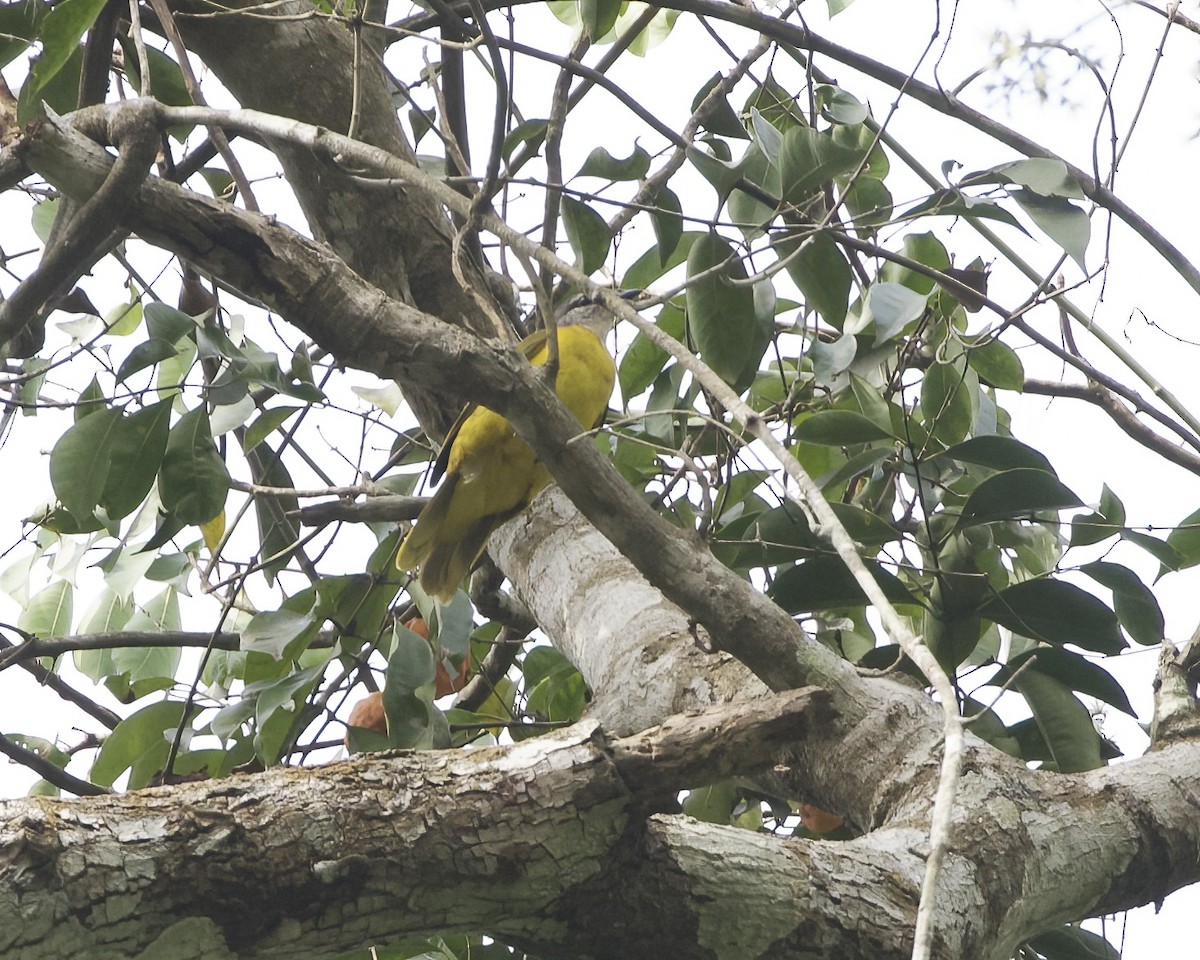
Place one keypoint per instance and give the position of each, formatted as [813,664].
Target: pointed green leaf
[890,307]
[1056,612]
[1164,553]
[140,744]
[1106,521]
[667,218]
[588,233]
[532,132]
[81,460]
[946,402]
[650,265]
[601,163]
[1063,721]
[808,160]
[839,428]
[137,452]
[193,481]
[1016,494]
[824,583]
[821,271]
[998,453]
[721,119]
[1060,220]
[720,305]
[997,365]
[1136,607]
[1071,669]
[49,611]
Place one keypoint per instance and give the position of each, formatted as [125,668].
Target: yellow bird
[491,474]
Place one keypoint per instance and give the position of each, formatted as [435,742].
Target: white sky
[1156,178]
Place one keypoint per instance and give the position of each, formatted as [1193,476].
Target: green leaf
[140,744]
[666,216]
[413,721]
[888,308]
[776,536]
[1071,669]
[869,202]
[532,132]
[61,31]
[839,106]
[644,360]
[721,174]
[1137,609]
[137,451]
[1105,522]
[713,804]
[839,428]
[1184,540]
[951,203]
[831,360]
[1164,553]
[81,459]
[1040,174]
[750,214]
[1064,722]
[824,583]
[998,453]
[49,611]
[145,354]
[558,699]
[997,365]
[926,249]
[1056,612]
[821,271]
[411,664]
[721,119]
[650,265]
[455,622]
[194,480]
[588,233]
[167,323]
[276,530]
[1074,943]
[601,163]
[721,315]
[946,402]
[598,17]
[60,91]
[808,160]
[277,632]
[865,527]
[1016,494]
[266,424]
[19,23]
[1060,220]
[275,709]
[166,79]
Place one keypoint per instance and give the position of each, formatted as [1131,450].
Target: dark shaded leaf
[824,583]
[1064,722]
[998,453]
[1015,494]
[1072,670]
[720,305]
[1056,612]
[839,428]
[1137,609]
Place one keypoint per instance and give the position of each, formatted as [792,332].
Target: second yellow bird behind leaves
[491,474]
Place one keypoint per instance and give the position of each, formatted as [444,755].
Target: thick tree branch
[257,865]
